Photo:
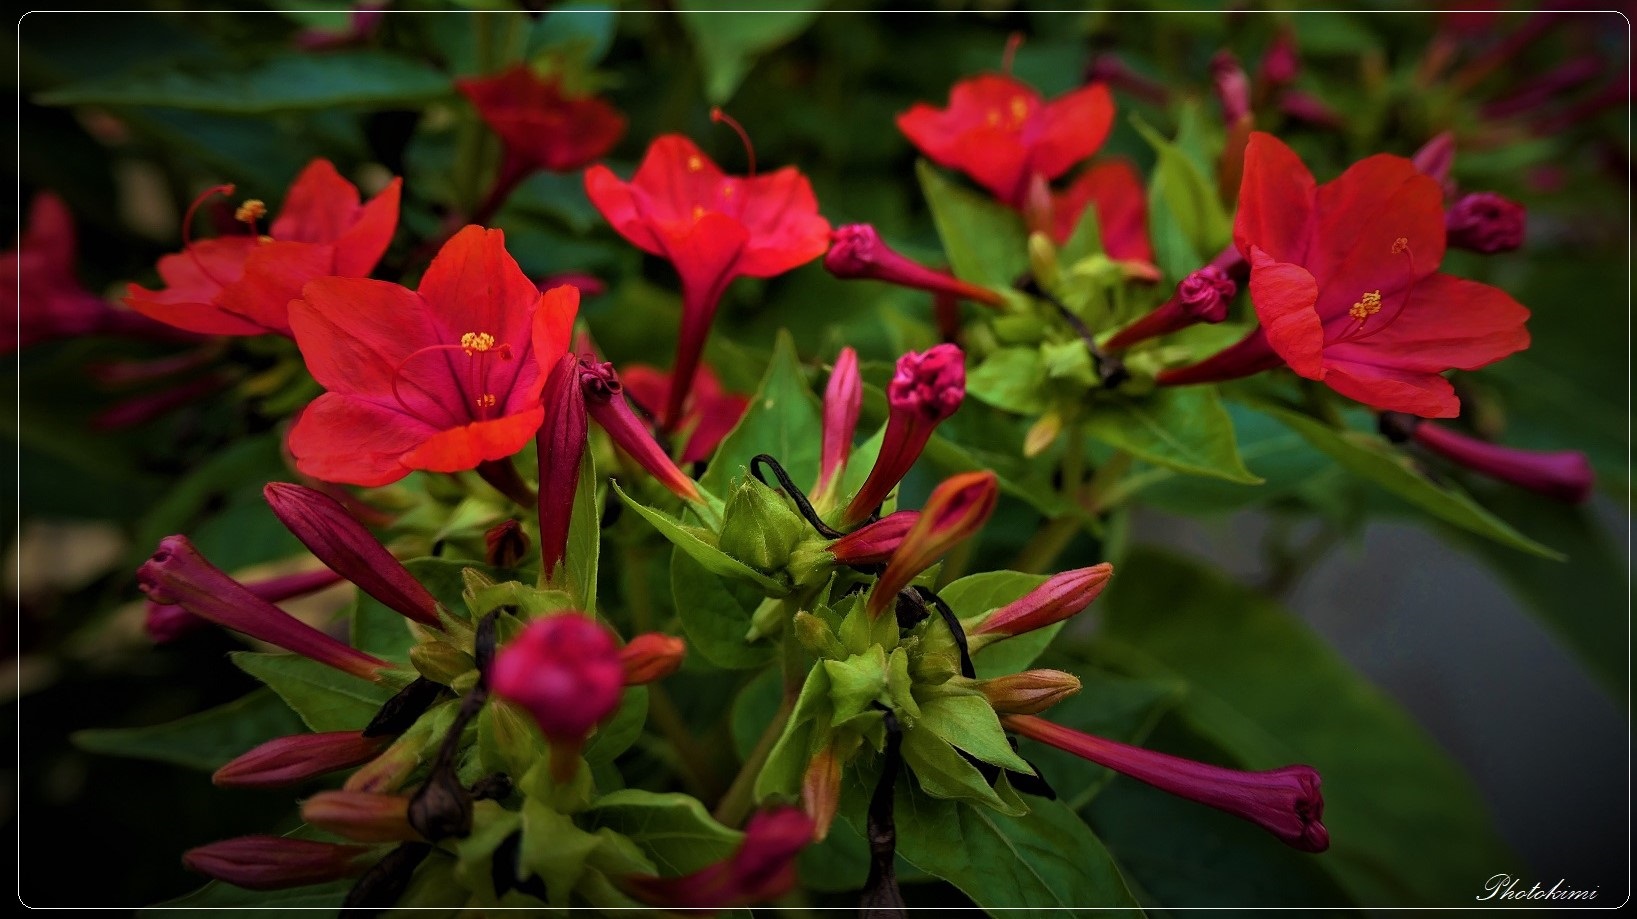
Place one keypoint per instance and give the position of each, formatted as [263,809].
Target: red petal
[194,278]
[1072,127]
[465,447]
[705,253]
[319,207]
[553,328]
[273,276]
[354,333]
[1357,222]
[617,202]
[49,236]
[340,438]
[648,386]
[363,244]
[1449,323]
[674,178]
[1276,199]
[1426,394]
[474,285]
[1116,190]
[784,228]
[204,318]
[1284,295]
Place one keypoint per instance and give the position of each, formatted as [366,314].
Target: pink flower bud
[1059,597]
[360,816]
[1030,692]
[276,862]
[1309,108]
[1285,802]
[347,547]
[1485,222]
[178,574]
[1435,158]
[505,544]
[956,510]
[925,389]
[652,656]
[1562,475]
[291,760]
[605,401]
[763,868]
[559,446]
[843,396]
[874,543]
[1232,87]
[856,251]
[1205,293]
[1281,63]
[1106,68]
[1202,296]
[565,670]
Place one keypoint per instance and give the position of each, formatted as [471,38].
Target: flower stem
[736,804]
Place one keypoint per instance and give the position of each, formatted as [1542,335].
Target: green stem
[691,755]
[737,803]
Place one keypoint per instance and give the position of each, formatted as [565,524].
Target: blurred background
[1517,666]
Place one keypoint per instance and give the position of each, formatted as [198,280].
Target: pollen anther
[695,164]
[1368,305]
[252,210]
[1401,245]
[1020,109]
[487,400]
[474,342]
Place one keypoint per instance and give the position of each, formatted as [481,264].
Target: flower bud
[925,389]
[1485,222]
[652,656]
[342,543]
[856,251]
[1281,63]
[178,574]
[759,528]
[1436,157]
[276,862]
[505,545]
[1030,692]
[874,543]
[1202,296]
[821,791]
[167,622]
[559,446]
[605,401]
[955,511]
[843,396]
[1232,87]
[564,670]
[1562,475]
[1309,108]
[1286,802]
[360,816]
[763,868]
[1059,597]
[1205,293]
[291,760]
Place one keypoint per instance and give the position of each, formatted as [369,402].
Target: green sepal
[700,545]
[759,528]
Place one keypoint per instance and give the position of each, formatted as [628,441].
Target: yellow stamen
[1368,305]
[727,189]
[992,117]
[1020,109]
[1401,245]
[487,400]
[250,211]
[264,238]
[474,342]
[698,212]
[695,164]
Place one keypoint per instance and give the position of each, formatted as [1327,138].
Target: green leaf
[706,555]
[1182,428]
[1026,865]
[969,722]
[617,734]
[787,762]
[585,535]
[1406,825]
[205,741]
[728,43]
[583,31]
[294,82]
[943,773]
[716,615]
[316,901]
[325,698]
[384,632]
[1280,456]
[985,241]
[1371,457]
[977,594]
[673,829]
[783,420]
[1011,379]
[1185,218]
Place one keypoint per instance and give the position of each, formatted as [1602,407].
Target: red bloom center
[475,378]
[1358,324]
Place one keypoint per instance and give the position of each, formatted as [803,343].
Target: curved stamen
[187,228]
[483,400]
[721,117]
[1012,43]
[1400,246]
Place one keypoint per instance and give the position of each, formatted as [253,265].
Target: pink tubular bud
[1106,68]
[843,396]
[763,868]
[1485,222]
[276,862]
[956,510]
[1286,802]
[1250,355]
[1232,87]
[874,543]
[178,574]
[347,547]
[1562,475]
[1030,692]
[1281,63]
[606,403]
[1058,598]
[360,816]
[1436,157]
[856,251]
[291,760]
[651,656]
[1202,296]
[505,544]
[559,446]
[565,670]
[925,389]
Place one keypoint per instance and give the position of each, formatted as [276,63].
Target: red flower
[1116,190]
[442,378]
[999,131]
[1344,280]
[710,411]
[542,127]
[243,285]
[46,298]
[713,228]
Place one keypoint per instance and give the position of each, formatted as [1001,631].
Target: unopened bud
[565,670]
[359,816]
[606,403]
[1059,597]
[759,528]
[1485,222]
[856,251]
[925,389]
[652,656]
[291,760]
[874,543]
[1030,692]
[559,446]
[955,511]
[505,545]
[276,862]
[821,791]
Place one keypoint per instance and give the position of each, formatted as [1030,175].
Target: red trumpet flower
[713,228]
[243,285]
[1345,281]
[999,131]
[709,411]
[442,378]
